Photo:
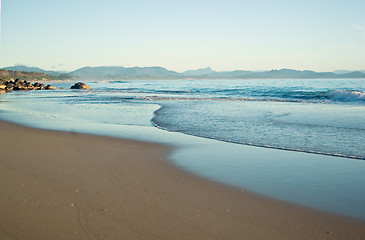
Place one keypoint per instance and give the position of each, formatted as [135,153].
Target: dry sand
[57,185]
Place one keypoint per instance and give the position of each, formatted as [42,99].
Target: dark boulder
[49,87]
[18,81]
[41,87]
[30,87]
[19,87]
[36,85]
[80,85]
[9,86]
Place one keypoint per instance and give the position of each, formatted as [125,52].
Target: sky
[319,35]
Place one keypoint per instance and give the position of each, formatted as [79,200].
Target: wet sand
[59,185]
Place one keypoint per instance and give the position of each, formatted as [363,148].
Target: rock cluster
[80,85]
[19,85]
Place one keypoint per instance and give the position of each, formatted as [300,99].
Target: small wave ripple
[315,91]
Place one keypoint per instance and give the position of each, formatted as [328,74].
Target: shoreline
[63,185]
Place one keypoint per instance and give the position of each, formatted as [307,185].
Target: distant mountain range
[22,68]
[199,72]
[122,72]
[113,72]
[6,75]
[282,73]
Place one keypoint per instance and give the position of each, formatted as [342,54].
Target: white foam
[347,95]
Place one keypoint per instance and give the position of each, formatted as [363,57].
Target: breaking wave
[346,96]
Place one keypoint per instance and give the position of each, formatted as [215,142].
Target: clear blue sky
[320,35]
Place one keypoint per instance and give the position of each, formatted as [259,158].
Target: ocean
[301,141]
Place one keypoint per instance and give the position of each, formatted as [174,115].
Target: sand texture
[57,185]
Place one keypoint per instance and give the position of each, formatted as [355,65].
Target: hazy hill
[208,72]
[23,68]
[29,76]
[120,72]
[234,74]
[282,73]
[356,74]
[347,71]
[289,73]
[199,72]
[115,72]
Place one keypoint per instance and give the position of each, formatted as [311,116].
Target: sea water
[296,140]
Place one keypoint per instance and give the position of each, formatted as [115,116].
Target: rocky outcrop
[20,85]
[80,85]
[49,87]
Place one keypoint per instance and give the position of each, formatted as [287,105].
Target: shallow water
[322,116]
[125,109]
[329,129]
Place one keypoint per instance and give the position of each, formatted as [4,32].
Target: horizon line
[201,68]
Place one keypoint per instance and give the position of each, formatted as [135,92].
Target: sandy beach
[60,185]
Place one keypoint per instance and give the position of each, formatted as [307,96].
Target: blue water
[311,121]
[321,116]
